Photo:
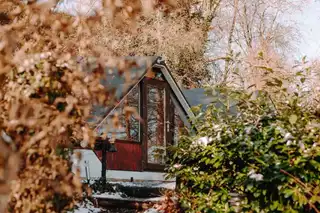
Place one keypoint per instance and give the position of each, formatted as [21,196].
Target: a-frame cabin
[140,144]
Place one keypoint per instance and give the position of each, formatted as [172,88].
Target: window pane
[179,119]
[129,125]
[156,124]
[178,126]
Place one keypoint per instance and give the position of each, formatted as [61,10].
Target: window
[156,135]
[179,128]
[128,124]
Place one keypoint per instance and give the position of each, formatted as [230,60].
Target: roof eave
[159,63]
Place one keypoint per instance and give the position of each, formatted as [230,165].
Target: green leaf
[261,161]
[304,59]
[315,164]
[249,187]
[260,54]
[315,199]
[256,194]
[274,205]
[293,119]
[288,193]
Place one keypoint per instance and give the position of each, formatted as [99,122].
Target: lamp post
[87,170]
[105,146]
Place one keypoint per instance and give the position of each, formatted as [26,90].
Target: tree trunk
[229,48]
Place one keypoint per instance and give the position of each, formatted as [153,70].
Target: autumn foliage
[46,98]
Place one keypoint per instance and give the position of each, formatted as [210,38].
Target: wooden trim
[169,117]
[116,141]
[126,141]
[155,82]
[176,90]
[171,120]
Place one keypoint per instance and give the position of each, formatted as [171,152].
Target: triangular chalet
[140,146]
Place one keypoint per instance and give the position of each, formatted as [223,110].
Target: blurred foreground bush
[46,98]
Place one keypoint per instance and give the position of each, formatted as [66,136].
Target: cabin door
[157,126]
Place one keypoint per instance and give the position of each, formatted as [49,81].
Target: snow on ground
[76,7]
[87,210]
[86,207]
[120,196]
[164,185]
[110,195]
[145,176]
[152,211]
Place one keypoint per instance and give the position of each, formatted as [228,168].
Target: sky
[309,24]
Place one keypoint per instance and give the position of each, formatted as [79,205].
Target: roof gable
[116,82]
[182,101]
[120,85]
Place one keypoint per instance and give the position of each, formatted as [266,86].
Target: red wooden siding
[128,157]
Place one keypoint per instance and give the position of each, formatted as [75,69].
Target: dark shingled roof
[199,97]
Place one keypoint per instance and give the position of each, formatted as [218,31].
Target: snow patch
[109,195]
[153,211]
[86,207]
[203,141]
[164,185]
[120,196]
[78,7]
[253,175]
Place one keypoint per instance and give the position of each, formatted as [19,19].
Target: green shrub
[263,158]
